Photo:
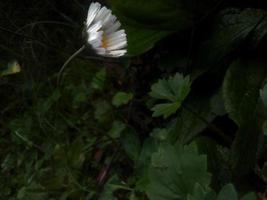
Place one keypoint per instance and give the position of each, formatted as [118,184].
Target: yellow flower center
[104,42]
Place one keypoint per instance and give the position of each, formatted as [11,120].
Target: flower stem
[60,73]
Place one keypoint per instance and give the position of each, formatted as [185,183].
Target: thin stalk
[60,73]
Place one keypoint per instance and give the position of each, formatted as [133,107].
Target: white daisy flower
[104,35]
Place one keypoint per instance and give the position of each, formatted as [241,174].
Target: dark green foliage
[174,171]
[174,91]
[199,66]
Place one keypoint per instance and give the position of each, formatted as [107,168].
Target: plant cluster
[181,116]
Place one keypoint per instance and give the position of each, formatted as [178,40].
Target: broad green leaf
[228,192]
[121,98]
[173,90]
[160,15]
[174,171]
[140,39]
[231,29]
[241,87]
[146,22]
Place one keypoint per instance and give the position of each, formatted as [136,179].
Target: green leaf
[217,160]
[250,196]
[241,87]
[102,111]
[174,89]
[174,171]
[231,28]
[121,98]
[98,81]
[131,144]
[146,22]
[133,196]
[160,134]
[76,154]
[159,15]
[165,109]
[228,192]
[195,116]
[201,193]
[140,39]
[21,193]
[149,147]
[109,188]
[44,105]
[117,128]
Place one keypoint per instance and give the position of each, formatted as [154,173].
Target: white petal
[103,12]
[100,51]
[116,41]
[117,34]
[95,27]
[114,27]
[117,53]
[118,46]
[111,20]
[95,43]
[107,19]
[93,10]
[117,38]
[95,35]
